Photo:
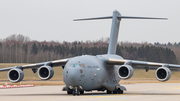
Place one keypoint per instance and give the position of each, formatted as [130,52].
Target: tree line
[21,49]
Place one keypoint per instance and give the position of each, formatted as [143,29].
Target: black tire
[78,92]
[74,92]
[121,92]
[115,92]
[81,92]
[69,92]
[109,92]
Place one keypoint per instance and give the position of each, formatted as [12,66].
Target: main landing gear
[116,91]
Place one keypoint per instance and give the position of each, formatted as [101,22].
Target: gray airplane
[100,72]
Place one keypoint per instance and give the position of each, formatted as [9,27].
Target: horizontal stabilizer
[131,17]
[107,17]
[119,17]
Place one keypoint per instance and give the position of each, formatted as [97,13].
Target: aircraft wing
[114,61]
[60,62]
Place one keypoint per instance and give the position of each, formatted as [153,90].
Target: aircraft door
[82,77]
[93,77]
[95,80]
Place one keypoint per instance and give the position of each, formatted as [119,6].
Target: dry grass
[140,76]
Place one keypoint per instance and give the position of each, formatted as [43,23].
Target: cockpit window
[72,65]
[78,65]
[67,65]
[82,65]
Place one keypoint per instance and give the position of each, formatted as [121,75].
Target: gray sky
[53,19]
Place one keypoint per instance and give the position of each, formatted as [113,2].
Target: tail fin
[116,18]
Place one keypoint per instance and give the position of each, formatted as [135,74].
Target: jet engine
[15,75]
[45,72]
[163,74]
[125,71]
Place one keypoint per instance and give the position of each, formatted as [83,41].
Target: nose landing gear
[75,91]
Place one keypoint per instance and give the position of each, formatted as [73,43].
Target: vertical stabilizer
[116,18]
[114,33]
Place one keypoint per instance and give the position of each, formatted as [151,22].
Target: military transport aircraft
[100,72]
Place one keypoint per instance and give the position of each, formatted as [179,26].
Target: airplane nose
[73,75]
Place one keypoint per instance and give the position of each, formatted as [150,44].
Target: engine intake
[15,75]
[163,74]
[45,72]
[125,71]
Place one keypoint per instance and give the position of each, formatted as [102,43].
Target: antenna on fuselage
[116,18]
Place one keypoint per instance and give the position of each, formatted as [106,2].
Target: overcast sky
[53,19]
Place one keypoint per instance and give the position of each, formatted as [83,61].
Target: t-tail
[116,18]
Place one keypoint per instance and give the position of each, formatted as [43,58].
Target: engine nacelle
[45,72]
[15,75]
[125,71]
[163,74]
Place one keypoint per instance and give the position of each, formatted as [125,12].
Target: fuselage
[90,72]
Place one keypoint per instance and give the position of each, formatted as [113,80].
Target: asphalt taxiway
[135,92]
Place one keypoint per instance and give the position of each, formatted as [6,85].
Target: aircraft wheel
[69,92]
[115,92]
[78,92]
[109,92]
[119,91]
[74,92]
[81,92]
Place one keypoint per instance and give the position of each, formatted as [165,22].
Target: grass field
[140,76]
